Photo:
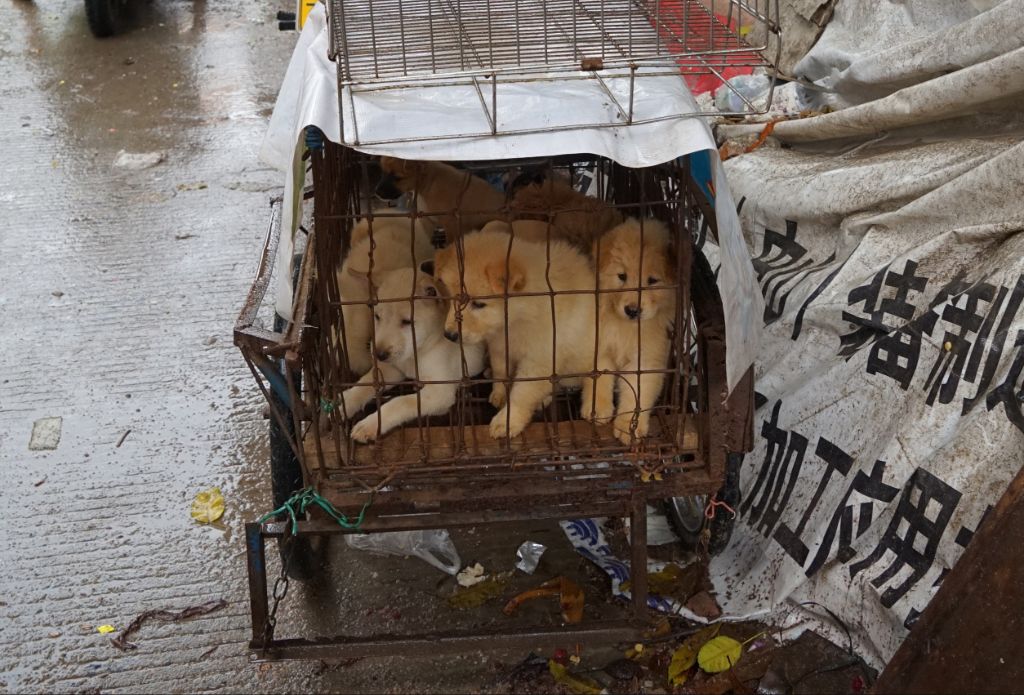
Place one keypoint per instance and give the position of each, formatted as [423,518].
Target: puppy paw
[365,430]
[503,426]
[499,397]
[598,413]
[623,428]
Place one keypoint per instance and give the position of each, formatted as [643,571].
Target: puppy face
[398,177]
[395,322]
[640,271]
[472,312]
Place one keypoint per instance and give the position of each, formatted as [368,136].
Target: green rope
[326,405]
[302,500]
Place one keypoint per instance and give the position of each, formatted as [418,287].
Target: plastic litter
[471,575]
[528,555]
[433,546]
[753,87]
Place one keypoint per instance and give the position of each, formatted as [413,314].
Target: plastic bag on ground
[432,545]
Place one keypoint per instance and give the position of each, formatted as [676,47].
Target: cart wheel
[105,17]
[686,514]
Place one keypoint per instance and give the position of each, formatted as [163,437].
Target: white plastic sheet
[888,242]
[309,96]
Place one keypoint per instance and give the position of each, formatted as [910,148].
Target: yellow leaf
[105,629]
[685,656]
[576,684]
[208,506]
[719,654]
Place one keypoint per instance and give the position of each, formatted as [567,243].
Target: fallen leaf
[480,593]
[685,656]
[719,654]
[570,597]
[208,506]
[703,604]
[575,684]
[105,629]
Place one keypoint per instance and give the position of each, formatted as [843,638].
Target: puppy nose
[383,355]
[632,311]
[452,336]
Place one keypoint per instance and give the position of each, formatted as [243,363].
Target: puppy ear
[496,274]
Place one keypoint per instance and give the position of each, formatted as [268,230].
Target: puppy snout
[383,355]
[452,336]
[632,311]
[386,188]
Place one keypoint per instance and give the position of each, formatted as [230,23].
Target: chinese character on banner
[868,486]
[913,535]
[896,354]
[777,475]
[836,460]
[873,326]
[781,259]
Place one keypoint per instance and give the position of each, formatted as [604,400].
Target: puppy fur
[530,322]
[397,244]
[636,320]
[452,199]
[433,359]
[575,217]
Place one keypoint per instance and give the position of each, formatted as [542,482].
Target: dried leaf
[576,684]
[571,601]
[570,597]
[685,656]
[719,654]
[208,506]
[480,593]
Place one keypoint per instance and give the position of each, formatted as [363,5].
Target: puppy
[451,199]
[575,217]
[398,327]
[397,243]
[494,262]
[636,319]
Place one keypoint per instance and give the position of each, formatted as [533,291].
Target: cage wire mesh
[354,445]
[382,45]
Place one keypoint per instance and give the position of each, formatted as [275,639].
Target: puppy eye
[622,277]
[652,281]
[406,322]
[479,305]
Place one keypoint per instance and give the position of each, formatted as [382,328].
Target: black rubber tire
[105,17]
[723,522]
[305,556]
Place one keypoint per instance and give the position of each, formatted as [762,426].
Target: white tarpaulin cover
[887,242]
[309,97]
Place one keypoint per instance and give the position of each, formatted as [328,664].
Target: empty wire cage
[490,52]
[660,422]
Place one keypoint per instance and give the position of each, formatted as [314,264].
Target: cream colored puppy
[397,243]
[575,217]
[475,313]
[398,327]
[635,320]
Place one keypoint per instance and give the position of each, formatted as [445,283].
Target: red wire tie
[709,512]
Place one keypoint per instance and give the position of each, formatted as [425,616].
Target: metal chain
[280,589]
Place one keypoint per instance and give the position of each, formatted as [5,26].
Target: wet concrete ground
[118,293]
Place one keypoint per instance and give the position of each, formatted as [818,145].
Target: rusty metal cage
[484,52]
[450,468]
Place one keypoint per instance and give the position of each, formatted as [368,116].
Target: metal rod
[256,563]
